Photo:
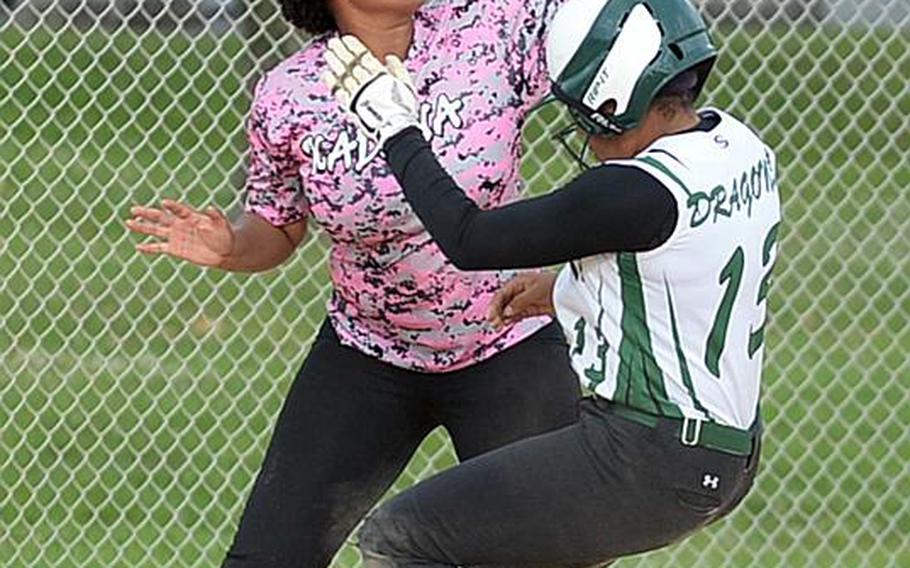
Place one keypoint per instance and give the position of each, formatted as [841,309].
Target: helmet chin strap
[578,126]
[580,157]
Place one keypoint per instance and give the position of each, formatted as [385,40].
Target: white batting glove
[381,97]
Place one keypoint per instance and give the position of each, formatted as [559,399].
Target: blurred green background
[137,395]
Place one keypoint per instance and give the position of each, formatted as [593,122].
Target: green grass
[136,396]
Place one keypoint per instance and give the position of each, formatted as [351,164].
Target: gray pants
[581,496]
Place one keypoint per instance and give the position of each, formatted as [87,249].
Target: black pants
[350,424]
[581,496]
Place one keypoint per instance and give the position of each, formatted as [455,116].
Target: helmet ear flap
[703,70]
[591,125]
[594,122]
[603,120]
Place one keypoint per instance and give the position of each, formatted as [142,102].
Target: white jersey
[679,330]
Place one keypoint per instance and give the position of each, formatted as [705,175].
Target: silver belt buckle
[690,436]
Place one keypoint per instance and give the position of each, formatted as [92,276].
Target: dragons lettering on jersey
[744,190]
[358,151]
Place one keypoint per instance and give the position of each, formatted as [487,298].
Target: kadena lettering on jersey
[358,151]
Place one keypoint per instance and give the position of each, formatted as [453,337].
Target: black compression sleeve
[607,209]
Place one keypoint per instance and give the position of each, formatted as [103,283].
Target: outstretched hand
[380,97]
[204,238]
[525,296]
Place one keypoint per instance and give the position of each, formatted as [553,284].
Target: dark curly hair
[313,16]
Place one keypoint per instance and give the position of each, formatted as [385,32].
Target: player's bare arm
[251,244]
[207,238]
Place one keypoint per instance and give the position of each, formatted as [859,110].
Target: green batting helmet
[625,51]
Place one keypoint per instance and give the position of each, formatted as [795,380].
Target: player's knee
[375,536]
[384,535]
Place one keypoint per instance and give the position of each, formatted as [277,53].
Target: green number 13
[732,276]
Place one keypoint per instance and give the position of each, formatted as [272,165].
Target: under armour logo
[711,481]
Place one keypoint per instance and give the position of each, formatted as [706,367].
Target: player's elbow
[465,259]
[465,247]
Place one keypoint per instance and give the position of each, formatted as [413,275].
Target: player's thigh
[535,502]
[601,489]
[526,390]
[345,432]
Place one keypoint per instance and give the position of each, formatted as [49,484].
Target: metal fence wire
[137,396]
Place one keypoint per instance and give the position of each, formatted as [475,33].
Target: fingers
[350,65]
[150,214]
[336,57]
[397,68]
[502,298]
[516,316]
[331,81]
[335,87]
[179,210]
[344,55]
[521,298]
[360,62]
[500,304]
[495,314]
[161,223]
[521,306]
[345,50]
[172,209]
[354,45]
[150,229]
[150,221]
[152,248]
[367,66]
[215,215]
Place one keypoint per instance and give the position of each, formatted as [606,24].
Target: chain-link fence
[137,397]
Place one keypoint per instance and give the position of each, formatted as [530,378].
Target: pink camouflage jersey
[478,67]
